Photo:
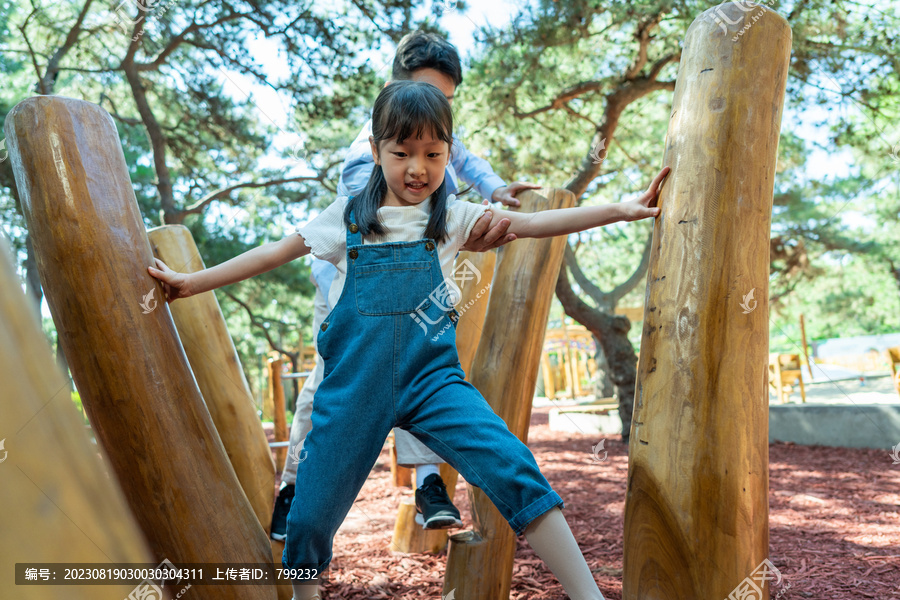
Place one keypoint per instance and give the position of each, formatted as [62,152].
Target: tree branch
[52,71]
[224,192]
[255,322]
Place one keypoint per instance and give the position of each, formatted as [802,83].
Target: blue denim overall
[382,370]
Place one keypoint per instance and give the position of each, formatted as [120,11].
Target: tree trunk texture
[479,563]
[59,504]
[696,513]
[219,374]
[128,364]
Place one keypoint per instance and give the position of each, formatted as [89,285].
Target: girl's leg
[550,537]
[305,592]
[348,431]
[457,423]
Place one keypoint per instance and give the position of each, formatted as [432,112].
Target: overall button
[354,228]
[353,253]
[429,246]
[324,326]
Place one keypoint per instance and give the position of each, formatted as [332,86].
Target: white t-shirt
[326,235]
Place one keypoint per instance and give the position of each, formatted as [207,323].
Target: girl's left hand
[645,206]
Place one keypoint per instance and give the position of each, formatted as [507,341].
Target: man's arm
[478,173]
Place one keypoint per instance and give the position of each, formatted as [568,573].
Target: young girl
[394,247]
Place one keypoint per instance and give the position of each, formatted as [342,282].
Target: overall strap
[354,238]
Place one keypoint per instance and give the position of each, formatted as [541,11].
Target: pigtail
[365,205]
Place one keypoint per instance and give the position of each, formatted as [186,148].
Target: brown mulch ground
[834,524]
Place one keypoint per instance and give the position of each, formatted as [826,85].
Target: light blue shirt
[357,168]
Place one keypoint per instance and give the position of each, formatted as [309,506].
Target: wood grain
[696,516]
[479,563]
[128,364]
[59,504]
[220,377]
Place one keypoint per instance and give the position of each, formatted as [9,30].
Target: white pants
[410,451]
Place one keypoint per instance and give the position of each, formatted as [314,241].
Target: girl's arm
[243,266]
[564,221]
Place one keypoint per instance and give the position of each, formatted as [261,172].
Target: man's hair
[421,50]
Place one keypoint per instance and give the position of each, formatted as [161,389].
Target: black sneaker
[435,509]
[280,514]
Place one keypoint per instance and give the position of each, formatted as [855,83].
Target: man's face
[437,79]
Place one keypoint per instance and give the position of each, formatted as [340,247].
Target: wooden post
[474,274]
[479,563]
[400,476]
[805,348]
[59,504]
[696,514]
[276,396]
[220,377]
[118,335]
[547,371]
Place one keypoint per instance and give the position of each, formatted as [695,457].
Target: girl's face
[413,170]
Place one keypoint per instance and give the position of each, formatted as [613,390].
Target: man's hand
[481,239]
[506,195]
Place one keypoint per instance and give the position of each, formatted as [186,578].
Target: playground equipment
[696,514]
[567,360]
[59,506]
[217,369]
[893,355]
[479,562]
[275,391]
[120,341]
[784,372]
[476,273]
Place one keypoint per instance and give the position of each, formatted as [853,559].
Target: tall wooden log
[220,377]
[474,273]
[60,506]
[118,335]
[696,516]
[479,563]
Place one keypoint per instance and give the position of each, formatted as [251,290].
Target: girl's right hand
[176,285]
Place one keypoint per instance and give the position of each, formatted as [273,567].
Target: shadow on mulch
[834,524]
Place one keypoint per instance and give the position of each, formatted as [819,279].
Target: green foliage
[534,95]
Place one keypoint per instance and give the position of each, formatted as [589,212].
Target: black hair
[404,109]
[421,50]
